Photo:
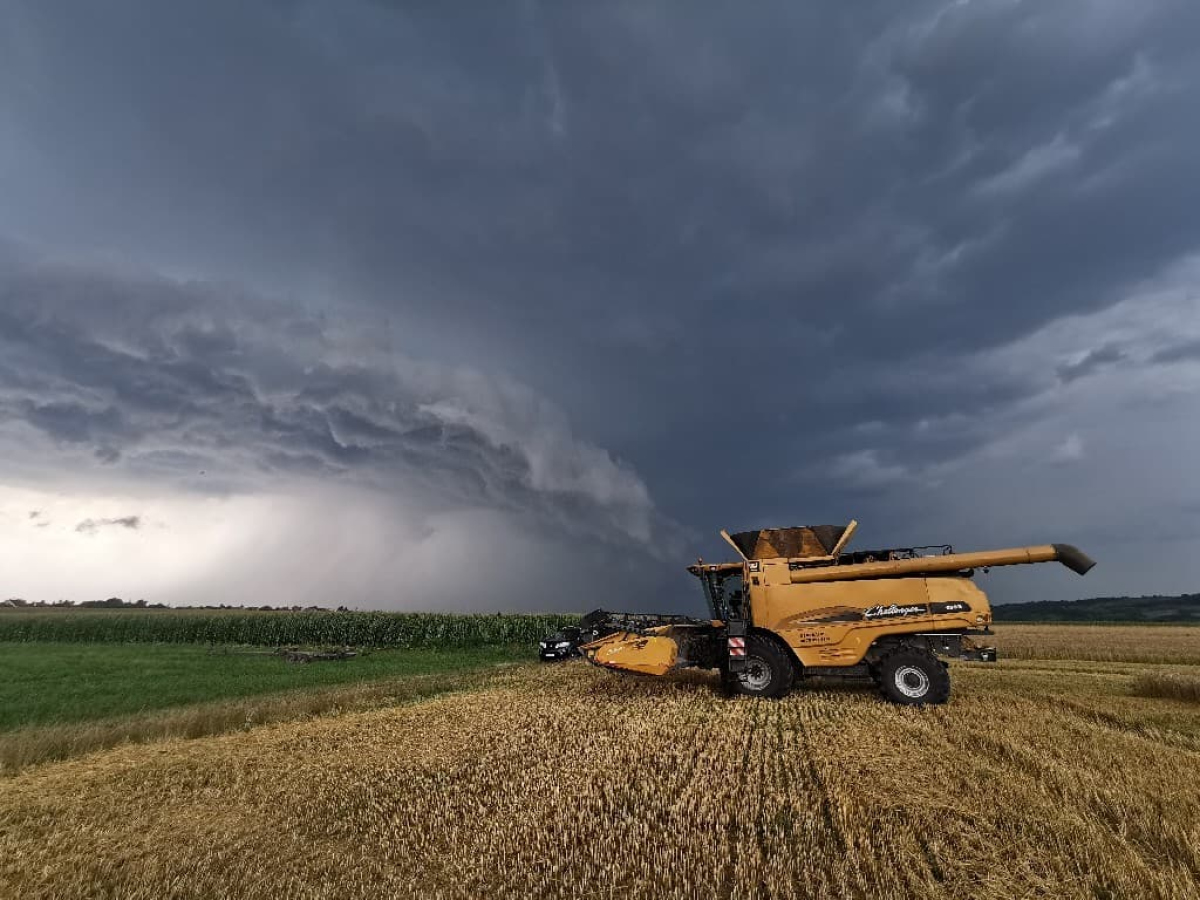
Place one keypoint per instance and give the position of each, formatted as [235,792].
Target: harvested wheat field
[1039,779]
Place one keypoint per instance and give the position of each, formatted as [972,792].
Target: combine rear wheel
[914,678]
[768,671]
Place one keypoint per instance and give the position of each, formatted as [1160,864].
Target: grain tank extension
[798,605]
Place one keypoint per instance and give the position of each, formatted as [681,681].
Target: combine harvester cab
[798,605]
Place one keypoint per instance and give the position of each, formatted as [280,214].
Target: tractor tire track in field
[740,798]
[810,749]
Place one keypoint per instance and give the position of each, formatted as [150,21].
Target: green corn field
[277,628]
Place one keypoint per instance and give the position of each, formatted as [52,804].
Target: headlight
[563,645]
[543,644]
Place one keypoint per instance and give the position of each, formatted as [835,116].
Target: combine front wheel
[768,671]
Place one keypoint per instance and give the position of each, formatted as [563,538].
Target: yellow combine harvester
[798,606]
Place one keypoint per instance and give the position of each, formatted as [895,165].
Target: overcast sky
[514,305]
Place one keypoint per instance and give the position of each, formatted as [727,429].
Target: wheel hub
[912,681]
[757,674]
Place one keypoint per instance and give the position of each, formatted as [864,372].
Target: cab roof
[720,568]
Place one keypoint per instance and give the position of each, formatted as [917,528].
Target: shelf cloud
[515,308]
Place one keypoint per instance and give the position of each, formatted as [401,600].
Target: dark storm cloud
[91,526]
[175,381]
[1091,362]
[760,252]
[1178,352]
[708,195]
[69,422]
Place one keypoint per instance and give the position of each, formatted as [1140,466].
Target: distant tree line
[1181,608]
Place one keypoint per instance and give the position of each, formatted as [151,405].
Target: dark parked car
[564,643]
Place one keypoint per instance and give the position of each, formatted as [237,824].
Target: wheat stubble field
[1044,777]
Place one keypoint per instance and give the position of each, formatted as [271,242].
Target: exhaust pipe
[1071,557]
